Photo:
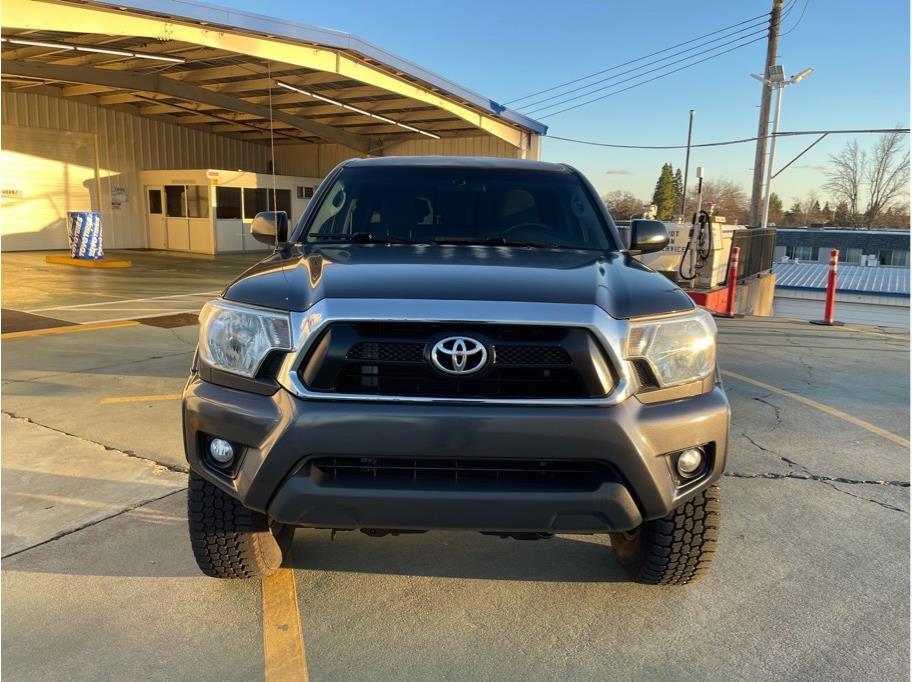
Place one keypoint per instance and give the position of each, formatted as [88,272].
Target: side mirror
[270,227]
[647,236]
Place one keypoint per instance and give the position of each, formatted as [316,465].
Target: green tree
[679,188]
[842,217]
[795,215]
[775,210]
[827,214]
[664,195]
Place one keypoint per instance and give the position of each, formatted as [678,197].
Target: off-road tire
[229,540]
[677,549]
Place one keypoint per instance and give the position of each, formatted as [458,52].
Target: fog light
[221,451]
[690,462]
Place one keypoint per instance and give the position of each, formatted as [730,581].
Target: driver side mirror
[647,236]
[270,227]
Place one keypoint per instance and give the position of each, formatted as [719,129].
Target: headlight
[237,338]
[680,349]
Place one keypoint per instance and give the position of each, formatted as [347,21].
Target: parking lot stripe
[839,414]
[139,398]
[283,640]
[104,304]
[92,326]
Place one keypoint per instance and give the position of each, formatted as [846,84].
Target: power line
[800,17]
[632,61]
[651,54]
[535,105]
[654,78]
[730,142]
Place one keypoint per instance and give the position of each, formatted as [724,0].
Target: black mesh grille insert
[386,352]
[464,473]
[644,376]
[531,355]
[391,358]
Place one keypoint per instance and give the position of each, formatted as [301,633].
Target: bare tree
[623,205]
[846,175]
[880,175]
[727,197]
[887,176]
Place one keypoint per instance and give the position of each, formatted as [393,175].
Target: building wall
[34,217]
[871,242]
[320,159]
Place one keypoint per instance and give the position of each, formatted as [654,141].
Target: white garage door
[45,174]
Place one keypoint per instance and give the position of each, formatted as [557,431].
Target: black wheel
[229,540]
[677,549]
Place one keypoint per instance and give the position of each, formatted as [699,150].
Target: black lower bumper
[281,433]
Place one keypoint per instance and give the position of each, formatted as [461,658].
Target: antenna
[275,205]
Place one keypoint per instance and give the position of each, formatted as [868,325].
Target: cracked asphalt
[811,579]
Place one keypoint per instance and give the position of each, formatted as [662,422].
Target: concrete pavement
[811,579]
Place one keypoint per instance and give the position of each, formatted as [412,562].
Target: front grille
[395,351]
[422,380]
[462,473]
[391,359]
[386,352]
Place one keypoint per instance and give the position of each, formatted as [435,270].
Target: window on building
[852,255]
[894,258]
[254,201]
[228,203]
[808,253]
[260,199]
[174,201]
[198,201]
[155,201]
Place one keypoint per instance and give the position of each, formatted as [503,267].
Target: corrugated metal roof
[852,279]
[260,24]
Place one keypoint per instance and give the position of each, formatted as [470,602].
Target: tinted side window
[228,202]
[174,201]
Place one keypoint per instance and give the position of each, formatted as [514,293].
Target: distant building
[856,247]
[874,295]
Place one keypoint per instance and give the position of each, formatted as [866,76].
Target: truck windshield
[446,205]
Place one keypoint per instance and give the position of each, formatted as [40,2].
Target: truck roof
[458,162]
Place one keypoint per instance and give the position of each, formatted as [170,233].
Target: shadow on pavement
[459,555]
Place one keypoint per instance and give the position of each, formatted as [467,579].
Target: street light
[778,82]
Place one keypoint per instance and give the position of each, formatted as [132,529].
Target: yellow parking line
[283,640]
[72,329]
[839,414]
[139,398]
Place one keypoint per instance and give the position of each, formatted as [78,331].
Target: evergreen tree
[827,215]
[841,216]
[679,188]
[775,210]
[664,195]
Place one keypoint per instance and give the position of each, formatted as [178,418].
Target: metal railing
[757,249]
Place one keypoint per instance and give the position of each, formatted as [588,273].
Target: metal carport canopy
[219,70]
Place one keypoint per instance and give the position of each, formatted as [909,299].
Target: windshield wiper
[361,238]
[498,240]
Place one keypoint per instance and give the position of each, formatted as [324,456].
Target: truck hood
[298,278]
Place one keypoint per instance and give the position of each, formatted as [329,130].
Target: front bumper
[280,432]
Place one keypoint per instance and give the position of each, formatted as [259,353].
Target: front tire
[229,540]
[677,549]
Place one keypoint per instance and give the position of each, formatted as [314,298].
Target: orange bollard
[830,304]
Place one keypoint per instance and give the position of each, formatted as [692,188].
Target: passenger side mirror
[270,227]
[647,236]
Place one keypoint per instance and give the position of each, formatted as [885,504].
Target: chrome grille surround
[307,325]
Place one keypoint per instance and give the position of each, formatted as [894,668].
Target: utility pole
[772,46]
[690,128]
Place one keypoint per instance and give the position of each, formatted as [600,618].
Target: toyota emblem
[459,355]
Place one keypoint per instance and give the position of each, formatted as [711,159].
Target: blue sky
[505,49]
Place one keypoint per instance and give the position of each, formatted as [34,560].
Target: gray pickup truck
[459,344]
